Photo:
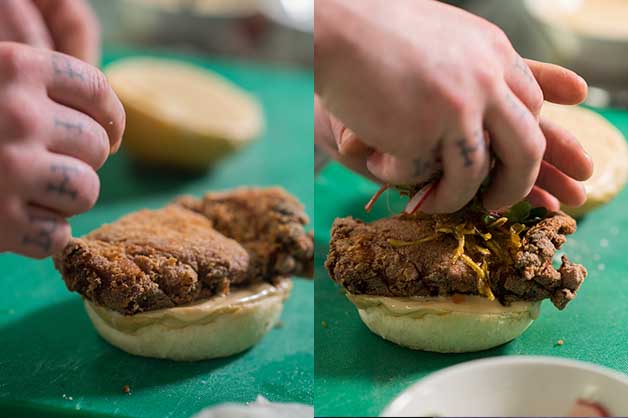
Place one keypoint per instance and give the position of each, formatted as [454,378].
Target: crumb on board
[279,324]
[560,342]
[126,389]
[324,324]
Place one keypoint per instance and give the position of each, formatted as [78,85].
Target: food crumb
[324,324]
[279,324]
[560,342]
[126,389]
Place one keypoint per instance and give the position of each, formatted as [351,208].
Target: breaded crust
[152,259]
[362,260]
[269,223]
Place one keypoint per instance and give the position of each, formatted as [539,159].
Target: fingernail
[116,148]
[344,135]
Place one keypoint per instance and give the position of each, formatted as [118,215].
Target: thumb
[331,136]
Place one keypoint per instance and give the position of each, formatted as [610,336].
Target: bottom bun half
[440,325]
[216,327]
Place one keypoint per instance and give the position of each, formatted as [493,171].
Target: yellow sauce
[201,312]
[417,306]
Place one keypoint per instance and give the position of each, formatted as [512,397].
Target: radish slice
[376,196]
[584,408]
[417,200]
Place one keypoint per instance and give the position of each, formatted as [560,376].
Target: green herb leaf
[539,212]
[519,212]
[536,216]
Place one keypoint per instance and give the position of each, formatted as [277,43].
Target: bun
[440,325]
[181,115]
[605,144]
[216,327]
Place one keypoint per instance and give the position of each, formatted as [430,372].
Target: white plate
[512,386]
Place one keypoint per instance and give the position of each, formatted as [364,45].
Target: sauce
[418,306]
[200,312]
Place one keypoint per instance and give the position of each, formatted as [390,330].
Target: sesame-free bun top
[182,115]
[216,327]
[439,324]
[604,143]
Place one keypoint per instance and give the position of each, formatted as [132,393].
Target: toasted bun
[605,144]
[181,115]
[217,327]
[438,324]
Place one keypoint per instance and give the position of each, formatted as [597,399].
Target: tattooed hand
[426,87]
[59,121]
[67,26]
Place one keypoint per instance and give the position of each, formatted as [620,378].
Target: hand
[427,87]
[67,26]
[59,120]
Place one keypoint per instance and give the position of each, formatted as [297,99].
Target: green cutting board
[53,364]
[358,373]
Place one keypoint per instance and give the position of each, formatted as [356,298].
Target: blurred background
[587,36]
[274,31]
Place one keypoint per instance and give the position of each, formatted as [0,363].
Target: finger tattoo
[424,166]
[421,167]
[63,186]
[515,105]
[466,150]
[73,129]
[523,68]
[62,66]
[42,237]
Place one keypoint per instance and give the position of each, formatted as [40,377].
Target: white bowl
[512,386]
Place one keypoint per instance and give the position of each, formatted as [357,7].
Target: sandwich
[197,279]
[459,282]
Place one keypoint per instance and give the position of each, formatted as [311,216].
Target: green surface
[358,373]
[53,364]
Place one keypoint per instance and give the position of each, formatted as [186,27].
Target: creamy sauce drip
[200,312]
[418,306]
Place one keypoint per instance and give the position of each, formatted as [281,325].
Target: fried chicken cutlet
[268,223]
[440,255]
[154,259]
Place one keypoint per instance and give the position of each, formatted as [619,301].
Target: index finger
[74,83]
[519,144]
[559,84]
